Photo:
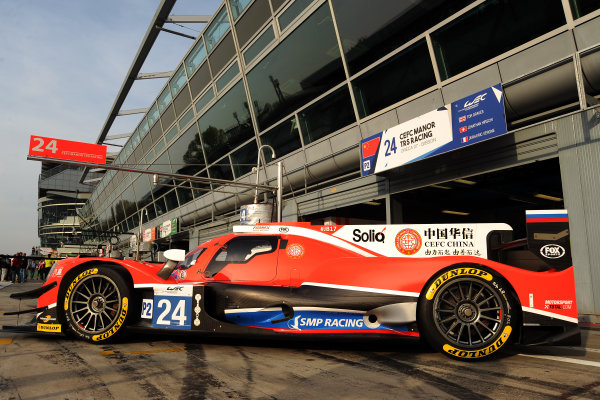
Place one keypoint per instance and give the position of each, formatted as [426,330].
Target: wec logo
[475,101]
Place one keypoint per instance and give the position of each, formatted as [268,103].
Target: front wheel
[97,304]
[467,312]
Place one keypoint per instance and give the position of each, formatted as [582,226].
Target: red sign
[67,150]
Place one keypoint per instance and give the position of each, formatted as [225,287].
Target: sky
[62,63]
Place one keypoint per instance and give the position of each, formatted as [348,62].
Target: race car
[448,284]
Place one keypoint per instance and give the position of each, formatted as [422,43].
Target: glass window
[276,4]
[226,124]
[491,29]
[221,170]
[172,133]
[327,115]
[371,29]
[200,189]
[228,76]
[306,64]
[141,189]
[579,8]
[153,115]
[195,58]
[240,250]
[160,206]
[144,128]
[186,153]
[222,54]
[237,6]
[189,116]
[216,29]
[200,80]
[160,144]
[403,75]
[128,199]
[171,200]
[267,37]
[244,158]
[284,138]
[292,12]
[254,18]
[164,99]
[184,193]
[149,213]
[205,99]
[168,117]
[177,81]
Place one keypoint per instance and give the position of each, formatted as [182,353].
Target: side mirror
[173,256]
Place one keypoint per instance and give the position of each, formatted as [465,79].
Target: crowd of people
[19,268]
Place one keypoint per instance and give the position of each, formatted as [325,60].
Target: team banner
[66,150]
[468,121]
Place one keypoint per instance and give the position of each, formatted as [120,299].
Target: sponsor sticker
[117,325]
[482,352]
[453,274]
[552,251]
[295,251]
[558,304]
[408,241]
[55,328]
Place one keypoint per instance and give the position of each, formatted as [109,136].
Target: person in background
[16,267]
[4,267]
[40,266]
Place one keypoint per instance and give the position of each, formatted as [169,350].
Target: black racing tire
[97,304]
[467,312]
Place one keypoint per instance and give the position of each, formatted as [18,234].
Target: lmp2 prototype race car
[448,284]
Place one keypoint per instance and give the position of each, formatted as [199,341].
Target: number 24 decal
[390,146]
[40,145]
[166,317]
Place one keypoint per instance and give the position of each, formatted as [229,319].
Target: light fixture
[371,203]
[455,212]
[547,197]
[465,181]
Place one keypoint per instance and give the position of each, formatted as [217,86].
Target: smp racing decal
[79,277]
[453,274]
[482,352]
[117,324]
[311,321]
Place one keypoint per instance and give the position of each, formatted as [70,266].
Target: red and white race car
[448,283]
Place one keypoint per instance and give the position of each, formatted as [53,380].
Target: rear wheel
[466,312]
[97,304]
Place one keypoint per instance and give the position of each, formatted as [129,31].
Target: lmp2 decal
[453,274]
[481,352]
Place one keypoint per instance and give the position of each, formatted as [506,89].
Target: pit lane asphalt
[181,367]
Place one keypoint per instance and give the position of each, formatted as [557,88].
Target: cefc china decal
[295,251]
[408,242]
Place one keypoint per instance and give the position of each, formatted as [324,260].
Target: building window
[491,29]
[186,153]
[227,76]
[216,29]
[164,99]
[579,8]
[227,124]
[372,29]
[195,58]
[403,75]
[244,159]
[205,99]
[255,48]
[284,138]
[329,114]
[303,66]
[178,80]
[292,12]
[238,6]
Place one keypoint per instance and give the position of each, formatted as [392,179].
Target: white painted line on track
[586,349]
[564,359]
